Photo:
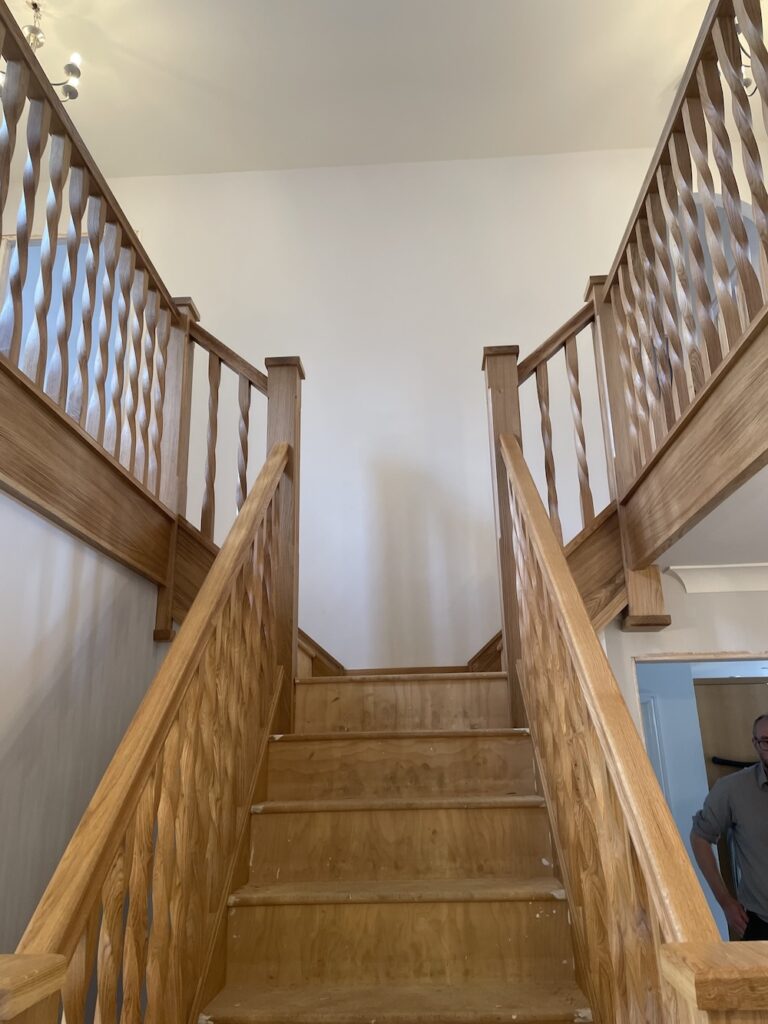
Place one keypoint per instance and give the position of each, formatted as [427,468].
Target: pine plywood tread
[487,1003]
[421,890]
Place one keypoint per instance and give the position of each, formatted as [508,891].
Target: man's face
[760,741]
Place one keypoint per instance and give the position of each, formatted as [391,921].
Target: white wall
[733,623]
[77,656]
[388,281]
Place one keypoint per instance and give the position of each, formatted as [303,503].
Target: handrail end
[26,979]
[718,976]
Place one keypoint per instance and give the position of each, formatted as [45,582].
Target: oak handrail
[59,920]
[679,897]
[582,318]
[229,357]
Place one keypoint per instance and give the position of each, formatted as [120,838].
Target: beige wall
[388,281]
[77,656]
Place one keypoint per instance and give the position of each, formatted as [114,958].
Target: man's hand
[736,915]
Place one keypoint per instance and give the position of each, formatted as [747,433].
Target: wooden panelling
[194,558]
[370,943]
[719,443]
[365,703]
[395,764]
[53,466]
[594,558]
[472,840]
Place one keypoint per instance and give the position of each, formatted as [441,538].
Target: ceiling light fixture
[70,86]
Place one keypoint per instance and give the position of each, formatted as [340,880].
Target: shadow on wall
[424,541]
[73,676]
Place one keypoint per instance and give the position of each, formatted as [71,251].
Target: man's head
[760,738]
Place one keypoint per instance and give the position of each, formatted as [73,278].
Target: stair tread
[412,734]
[419,890]
[416,677]
[398,803]
[496,1002]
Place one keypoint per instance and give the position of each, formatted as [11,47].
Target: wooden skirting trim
[720,443]
[50,464]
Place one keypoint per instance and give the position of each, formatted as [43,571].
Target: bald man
[739,803]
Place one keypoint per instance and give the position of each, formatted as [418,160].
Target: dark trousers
[757,929]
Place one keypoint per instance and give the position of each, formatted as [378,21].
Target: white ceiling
[735,533]
[183,86]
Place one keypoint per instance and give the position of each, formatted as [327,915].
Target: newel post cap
[186,306]
[499,350]
[594,284]
[271,361]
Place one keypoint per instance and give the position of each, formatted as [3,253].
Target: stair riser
[374,706]
[407,766]
[400,844]
[374,943]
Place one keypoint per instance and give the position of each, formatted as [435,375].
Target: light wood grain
[223,659]
[503,404]
[719,444]
[284,426]
[598,783]
[53,466]
[524,1002]
[372,943]
[720,976]
[377,703]
[395,764]
[400,841]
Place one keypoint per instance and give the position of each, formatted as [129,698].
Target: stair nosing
[543,889]
[411,734]
[463,677]
[395,804]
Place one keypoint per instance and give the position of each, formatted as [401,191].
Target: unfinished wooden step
[463,934]
[489,1002]
[349,840]
[403,703]
[361,764]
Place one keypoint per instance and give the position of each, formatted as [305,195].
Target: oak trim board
[51,465]
[720,444]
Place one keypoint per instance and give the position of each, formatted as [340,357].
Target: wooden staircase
[401,865]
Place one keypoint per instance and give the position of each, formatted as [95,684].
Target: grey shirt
[740,802]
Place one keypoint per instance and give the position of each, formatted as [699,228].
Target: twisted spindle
[125,270]
[572,370]
[542,388]
[244,401]
[97,406]
[77,399]
[12,316]
[209,497]
[57,380]
[35,356]
[145,395]
[129,438]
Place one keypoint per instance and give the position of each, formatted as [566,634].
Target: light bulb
[76,59]
[73,82]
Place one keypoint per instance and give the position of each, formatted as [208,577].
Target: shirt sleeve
[714,819]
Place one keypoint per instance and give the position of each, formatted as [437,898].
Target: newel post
[285,375]
[500,367]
